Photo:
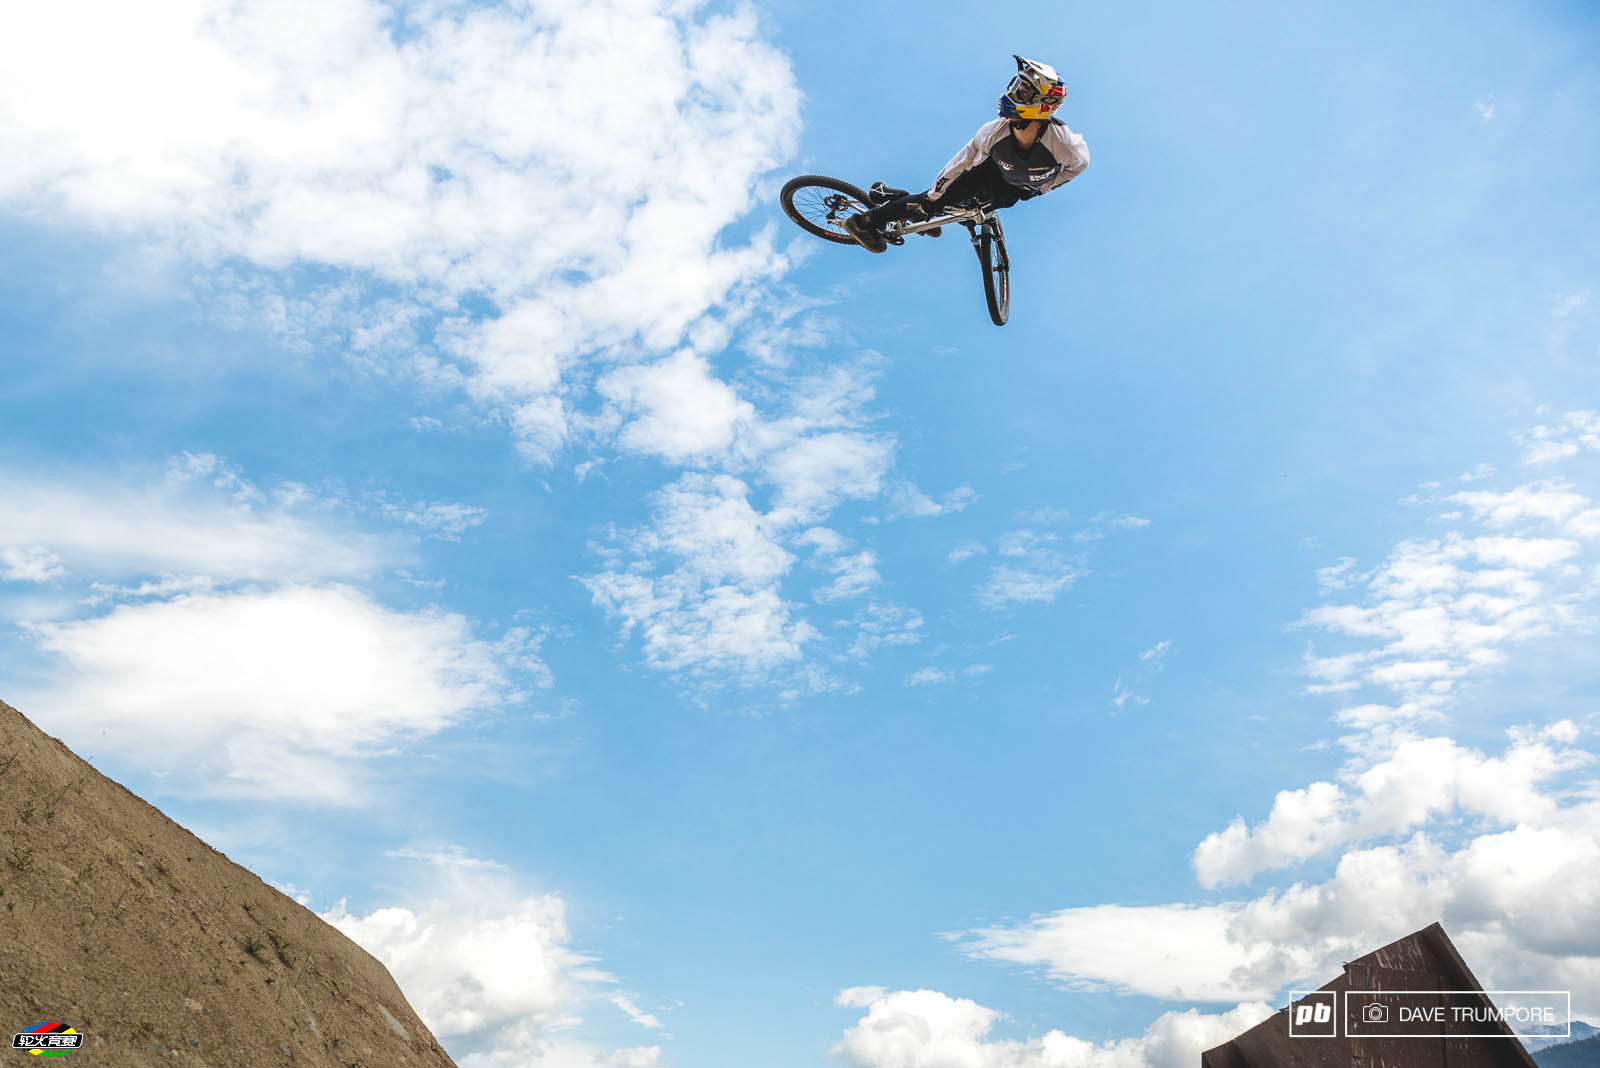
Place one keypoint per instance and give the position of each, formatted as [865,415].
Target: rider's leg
[867,226]
[983,182]
[890,211]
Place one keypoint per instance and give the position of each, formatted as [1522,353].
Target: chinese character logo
[48,1040]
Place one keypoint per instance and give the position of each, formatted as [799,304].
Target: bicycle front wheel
[996,272]
[820,205]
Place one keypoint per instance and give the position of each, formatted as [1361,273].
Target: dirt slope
[162,951]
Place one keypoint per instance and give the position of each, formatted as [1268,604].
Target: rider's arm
[972,153]
[1070,150]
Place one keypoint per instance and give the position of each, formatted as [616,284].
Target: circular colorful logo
[48,1040]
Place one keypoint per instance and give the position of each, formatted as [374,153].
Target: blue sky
[438,474]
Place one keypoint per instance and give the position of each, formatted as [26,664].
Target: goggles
[1022,91]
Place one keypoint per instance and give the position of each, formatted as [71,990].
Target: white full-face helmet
[1035,92]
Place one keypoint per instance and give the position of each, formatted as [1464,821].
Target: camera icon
[1374,1013]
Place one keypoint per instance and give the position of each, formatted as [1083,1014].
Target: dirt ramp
[158,949]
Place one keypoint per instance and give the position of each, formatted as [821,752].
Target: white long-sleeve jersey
[1056,158]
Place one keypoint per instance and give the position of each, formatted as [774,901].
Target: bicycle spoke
[821,205]
[826,208]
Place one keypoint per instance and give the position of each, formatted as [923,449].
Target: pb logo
[1311,1014]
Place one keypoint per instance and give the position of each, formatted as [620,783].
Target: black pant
[983,182]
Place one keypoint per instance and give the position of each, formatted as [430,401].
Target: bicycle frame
[972,218]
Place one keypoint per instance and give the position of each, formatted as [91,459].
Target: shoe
[865,236]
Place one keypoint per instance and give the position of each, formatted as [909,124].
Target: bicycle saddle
[881,194]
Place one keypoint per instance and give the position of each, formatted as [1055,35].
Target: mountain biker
[1020,155]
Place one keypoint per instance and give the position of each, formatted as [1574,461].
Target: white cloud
[882,624]
[634,1013]
[1550,501]
[701,585]
[1547,443]
[275,694]
[215,637]
[817,471]
[1171,952]
[1121,695]
[442,153]
[1156,652]
[214,629]
[31,563]
[965,551]
[442,519]
[452,859]
[1517,898]
[1432,616]
[1421,780]
[464,973]
[928,1029]
[1440,611]
[855,573]
[933,676]
[1302,824]
[905,499]
[163,588]
[1485,107]
[708,522]
[688,625]
[675,408]
[1336,576]
[1106,523]
[491,969]
[199,518]
[1039,583]
[1031,570]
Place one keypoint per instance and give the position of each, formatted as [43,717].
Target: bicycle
[820,205]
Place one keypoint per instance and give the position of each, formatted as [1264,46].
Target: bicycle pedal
[894,239]
[935,232]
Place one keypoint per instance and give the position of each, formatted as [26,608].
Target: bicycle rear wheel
[996,271]
[820,205]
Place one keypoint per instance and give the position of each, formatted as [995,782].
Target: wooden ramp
[1423,961]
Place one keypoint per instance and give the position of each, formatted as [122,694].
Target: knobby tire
[996,273]
[806,189]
